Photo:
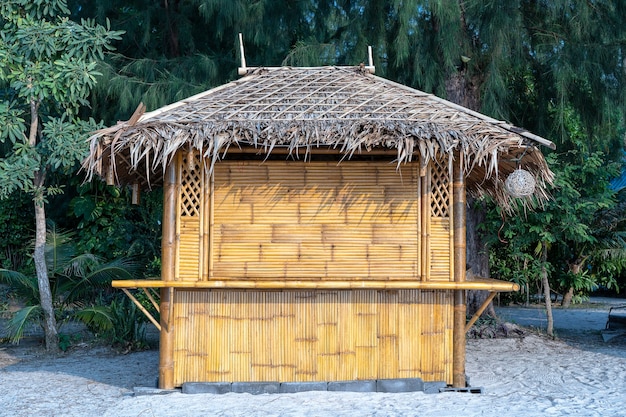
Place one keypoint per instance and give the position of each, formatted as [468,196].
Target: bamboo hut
[314,225]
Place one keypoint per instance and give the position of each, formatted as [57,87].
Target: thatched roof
[304,110]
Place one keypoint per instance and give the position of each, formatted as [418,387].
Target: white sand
[531,376]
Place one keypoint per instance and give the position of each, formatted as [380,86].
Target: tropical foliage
[555,68]
[79,283]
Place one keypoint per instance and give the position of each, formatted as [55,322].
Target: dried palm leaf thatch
[306,110]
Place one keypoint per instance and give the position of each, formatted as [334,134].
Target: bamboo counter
[483,284]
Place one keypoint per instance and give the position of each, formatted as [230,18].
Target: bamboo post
[424,218]
[136,194]
[459,211]
[110,174]
[370,61]
[168,254]
[211,224]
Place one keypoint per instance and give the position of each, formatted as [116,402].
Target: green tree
[110,227]
[561,239]
[47,70]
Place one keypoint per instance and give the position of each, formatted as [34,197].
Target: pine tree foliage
[556,68]
[525,61]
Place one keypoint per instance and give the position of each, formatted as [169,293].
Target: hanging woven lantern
[520,183]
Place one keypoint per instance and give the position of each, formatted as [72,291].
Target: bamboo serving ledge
[494,286]
[484,284]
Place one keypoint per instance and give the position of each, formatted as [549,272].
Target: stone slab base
[381,385]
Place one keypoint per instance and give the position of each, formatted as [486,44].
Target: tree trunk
[39,256]
[173,41]
[546,289]
[477,257]
[574,268]
[461,91]
[567,297]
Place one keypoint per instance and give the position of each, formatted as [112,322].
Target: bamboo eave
[483,284]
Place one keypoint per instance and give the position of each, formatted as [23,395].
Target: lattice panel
[440,190]
[191,186]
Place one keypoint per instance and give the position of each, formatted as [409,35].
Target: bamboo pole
[243,70]
[328,150]
[211,225]
[480,311]
[136,194]
[317,284]
[175,212]
[418,233]
[204,225]
[142,308]
[168,256]
[459,202]
[151,298]
[424,219]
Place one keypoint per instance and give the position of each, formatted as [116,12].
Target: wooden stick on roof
[242,70]
[370,61]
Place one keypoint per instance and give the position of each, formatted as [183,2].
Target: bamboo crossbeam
[484,284]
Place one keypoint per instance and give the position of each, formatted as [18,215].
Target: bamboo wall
[284,220]
[315,220]
[312,335]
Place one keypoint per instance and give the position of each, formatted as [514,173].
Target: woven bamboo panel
[189,244]
[440,256]
[319,220]
[225,336]
[191,185]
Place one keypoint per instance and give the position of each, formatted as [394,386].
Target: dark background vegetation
[556,68]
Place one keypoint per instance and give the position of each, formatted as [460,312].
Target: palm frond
[100,276]
[96,318]
[81,265]
[59,248]
[20,320]
[25,286]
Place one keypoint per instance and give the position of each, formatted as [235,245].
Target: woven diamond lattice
[520,183]
[191,187]
[440,195]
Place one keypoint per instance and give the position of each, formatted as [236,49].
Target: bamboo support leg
[458,366]
[142,308]
[166,348]
[459,219]
[168,272]
[479,311]
[150,297]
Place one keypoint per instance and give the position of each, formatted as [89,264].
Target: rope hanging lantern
[520,183]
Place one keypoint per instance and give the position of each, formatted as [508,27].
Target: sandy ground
[576,375]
